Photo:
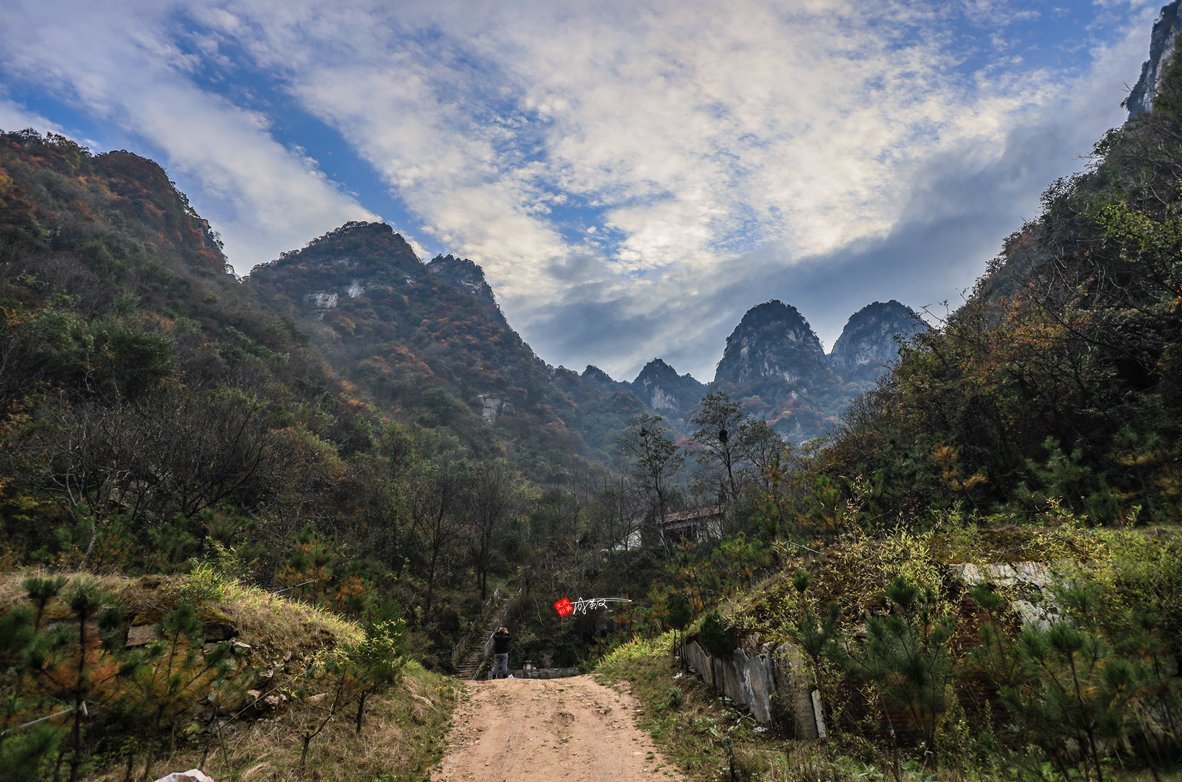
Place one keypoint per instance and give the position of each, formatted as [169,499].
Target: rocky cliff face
[772,341]
[667,393]
[869,343]
[1162,45]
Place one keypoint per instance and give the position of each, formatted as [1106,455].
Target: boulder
[192,775]
[219,631]
[141,635]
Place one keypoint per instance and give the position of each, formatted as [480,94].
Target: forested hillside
[1061,376]
[157,420]
[428,343]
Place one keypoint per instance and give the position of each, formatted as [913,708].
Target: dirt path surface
[543,730]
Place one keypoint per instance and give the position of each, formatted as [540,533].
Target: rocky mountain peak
[357,248]
[869,343]
[665,391]
[773,340]
[596,375]
[1162,44]
[467,277]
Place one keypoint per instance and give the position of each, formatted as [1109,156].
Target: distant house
[629,542]
[695,524]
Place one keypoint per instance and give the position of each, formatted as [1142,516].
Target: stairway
[473,653]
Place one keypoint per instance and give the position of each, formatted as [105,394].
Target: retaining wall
[774,684]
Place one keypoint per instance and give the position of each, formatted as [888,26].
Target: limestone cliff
[1162,46]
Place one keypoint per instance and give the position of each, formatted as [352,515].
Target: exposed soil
[527,730]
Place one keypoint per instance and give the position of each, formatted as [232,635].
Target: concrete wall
[774,685]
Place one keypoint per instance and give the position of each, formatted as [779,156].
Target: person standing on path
[501,653]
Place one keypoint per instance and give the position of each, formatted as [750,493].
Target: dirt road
[538,730]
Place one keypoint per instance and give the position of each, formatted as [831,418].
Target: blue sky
[632,176]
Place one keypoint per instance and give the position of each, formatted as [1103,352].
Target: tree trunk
[360,711]
[304,752]
[79,697]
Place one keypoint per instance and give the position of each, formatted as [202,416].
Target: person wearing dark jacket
[501,653]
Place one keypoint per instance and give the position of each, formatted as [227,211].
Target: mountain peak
[665,391]
[595,374]
[355,229]
[773,310]
[869,343]
[657,368]
[773,340]
[467,277]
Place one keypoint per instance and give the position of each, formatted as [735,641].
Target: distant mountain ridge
[398,327]
[425,342]
[774,363]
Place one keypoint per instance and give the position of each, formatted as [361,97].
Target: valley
[265,525]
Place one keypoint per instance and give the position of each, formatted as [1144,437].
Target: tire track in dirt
[548,730]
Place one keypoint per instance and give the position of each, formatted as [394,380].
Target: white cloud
[703,144]
[694,127]
[14,116]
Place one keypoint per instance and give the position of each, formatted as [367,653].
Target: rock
[1031,615]
[272,701]
[240,649]
[141,635]
[192,775]
[254,695]
[219,631]
[1028,583]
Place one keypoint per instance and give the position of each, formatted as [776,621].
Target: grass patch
[694,730]
[707,739]
[402,740]
[277,690]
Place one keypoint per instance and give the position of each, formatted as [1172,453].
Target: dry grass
[402,739]
[404,729]
[262,619]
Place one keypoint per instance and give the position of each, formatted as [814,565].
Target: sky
[632,175]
